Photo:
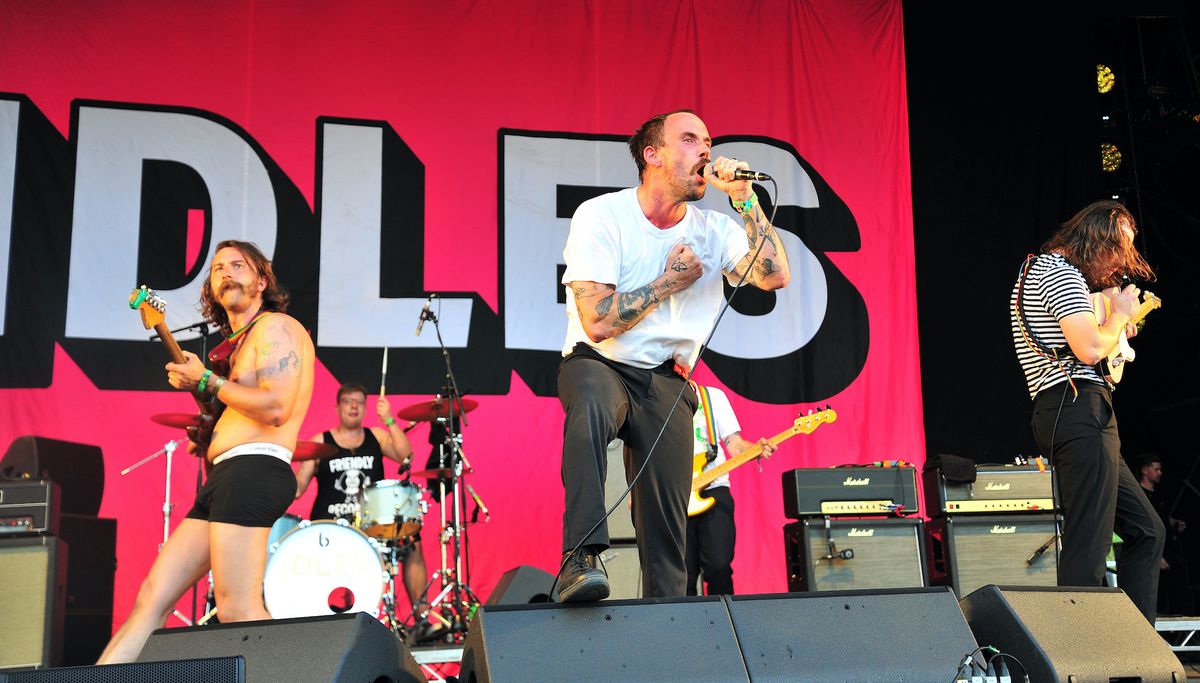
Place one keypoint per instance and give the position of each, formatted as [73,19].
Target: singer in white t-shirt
[643,276]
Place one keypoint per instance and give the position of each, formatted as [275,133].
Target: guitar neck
[1144,310]
[176,355]
[709,476]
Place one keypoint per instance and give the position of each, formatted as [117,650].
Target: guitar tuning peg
[810,411]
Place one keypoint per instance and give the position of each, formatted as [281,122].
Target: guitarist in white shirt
[1059,341]
[711,535]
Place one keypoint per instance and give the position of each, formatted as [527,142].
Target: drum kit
[324,567]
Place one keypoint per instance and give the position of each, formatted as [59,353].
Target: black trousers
[711,537]
[1099,494]
[604,400]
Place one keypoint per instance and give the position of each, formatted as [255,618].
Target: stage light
[1110,157]
[1105,78]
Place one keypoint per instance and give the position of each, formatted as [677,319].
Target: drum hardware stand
[455,603]
[167,506]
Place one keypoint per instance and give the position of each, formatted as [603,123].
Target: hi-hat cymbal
[177,420]
[429,411]
[311,450]
[442,473]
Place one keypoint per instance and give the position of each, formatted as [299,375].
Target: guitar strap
[1060,356]
[706,407]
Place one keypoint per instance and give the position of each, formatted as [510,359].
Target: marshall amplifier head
[996,489]
[850,491]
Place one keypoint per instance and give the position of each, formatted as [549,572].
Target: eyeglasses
[347,401]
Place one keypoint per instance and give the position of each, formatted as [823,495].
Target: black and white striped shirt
[1054,289]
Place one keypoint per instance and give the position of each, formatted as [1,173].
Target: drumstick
[383,377]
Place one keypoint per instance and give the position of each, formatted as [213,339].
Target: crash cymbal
[443,473]
[311,450]
[177,420]
[429,411]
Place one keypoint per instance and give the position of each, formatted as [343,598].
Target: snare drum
[392,509]
[323,568]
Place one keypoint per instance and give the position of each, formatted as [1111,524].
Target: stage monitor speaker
[343,648]
[214,670]
[854,554]
[34,572]
[1067,634]
[884,636]
[77,468]
[968,553]
[521,586]
[677,639]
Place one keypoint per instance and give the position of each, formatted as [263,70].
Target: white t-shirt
[612,242]
[725,424]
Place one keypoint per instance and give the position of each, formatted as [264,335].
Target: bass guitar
[1112,367]
[153,309]
[804,424]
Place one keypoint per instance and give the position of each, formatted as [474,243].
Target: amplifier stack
[850,530]
[991,524]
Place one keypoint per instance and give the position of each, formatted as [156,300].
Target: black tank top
[342,478]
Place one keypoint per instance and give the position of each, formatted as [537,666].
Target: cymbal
[311,450]
[429,411]
[177,420]
[442,473]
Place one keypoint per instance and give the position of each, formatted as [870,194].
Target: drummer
[343,477]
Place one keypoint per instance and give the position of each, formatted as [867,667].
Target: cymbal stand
[455,603]
[167,506]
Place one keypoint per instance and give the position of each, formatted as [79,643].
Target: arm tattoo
[604,306]
[291,362]
[633,304]
[678,265]
[579,293]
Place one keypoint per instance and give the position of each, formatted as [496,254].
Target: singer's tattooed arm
[770,271]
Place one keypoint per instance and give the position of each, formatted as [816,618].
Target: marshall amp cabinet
[850,554]
[971,551]
[996,489]
[29,507]
[849,491]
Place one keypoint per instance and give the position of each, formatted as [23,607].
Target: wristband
[390,421]
[203,381]
[215,387]
[743,207]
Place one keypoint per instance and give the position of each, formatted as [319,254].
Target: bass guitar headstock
[151,306]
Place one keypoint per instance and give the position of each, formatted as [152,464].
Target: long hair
[1093,242]
[649,134]
[274,297]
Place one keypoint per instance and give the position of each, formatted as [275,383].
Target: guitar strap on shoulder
[706,407]
[1060,356]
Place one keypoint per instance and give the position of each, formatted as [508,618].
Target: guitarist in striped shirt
[1058,342]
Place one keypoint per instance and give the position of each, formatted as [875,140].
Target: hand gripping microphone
[424,314]
[742,174]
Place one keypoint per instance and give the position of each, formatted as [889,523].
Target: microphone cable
[686,387]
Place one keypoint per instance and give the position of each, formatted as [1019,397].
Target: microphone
[424,314]
[1038,553]
[479,502]
[742,174]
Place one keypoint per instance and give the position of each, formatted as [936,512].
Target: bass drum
[323,568]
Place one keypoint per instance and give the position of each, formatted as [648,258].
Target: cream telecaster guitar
[1112,366]
[805,424]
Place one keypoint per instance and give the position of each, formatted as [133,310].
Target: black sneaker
[580,580]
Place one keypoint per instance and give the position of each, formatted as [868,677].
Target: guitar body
[1113,366]
[697,504]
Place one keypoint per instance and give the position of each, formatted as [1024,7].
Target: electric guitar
[1114,365]
[804,424]
[153,309]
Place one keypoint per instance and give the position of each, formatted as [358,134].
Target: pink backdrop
[825,77]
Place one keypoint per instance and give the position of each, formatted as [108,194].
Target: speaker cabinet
[675,639]
[336,649]
[522,585]
[34,572]
[1080,635]
[77,468]
[968,553]
[851,554]
[624,566]
[91,569]
[883,636]
[214,670]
